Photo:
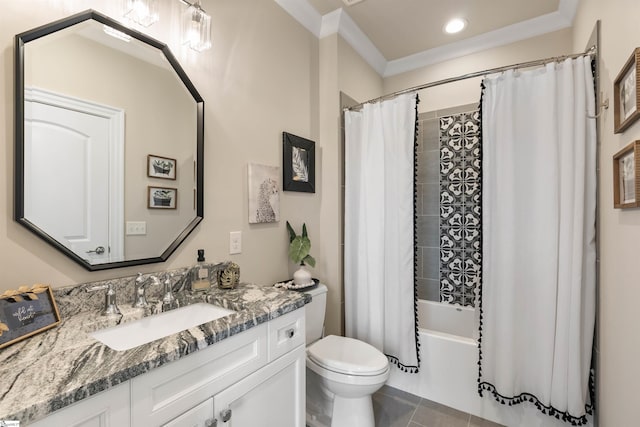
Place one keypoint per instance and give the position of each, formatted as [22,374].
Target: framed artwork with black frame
[298,164]
[626,107]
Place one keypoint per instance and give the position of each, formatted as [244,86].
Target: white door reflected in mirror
[72,171]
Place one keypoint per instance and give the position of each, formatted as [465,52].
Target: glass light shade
[196,28]
[143,12]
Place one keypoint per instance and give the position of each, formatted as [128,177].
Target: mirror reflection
[111,133]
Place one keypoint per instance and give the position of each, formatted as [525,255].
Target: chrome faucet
[140,299]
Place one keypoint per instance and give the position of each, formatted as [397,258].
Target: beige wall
[260,78]
[618,347]
[341,70]
[468,91]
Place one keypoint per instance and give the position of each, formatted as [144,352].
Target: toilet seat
[348,356]
[341,378]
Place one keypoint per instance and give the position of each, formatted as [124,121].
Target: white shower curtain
[379,228]
[539,205]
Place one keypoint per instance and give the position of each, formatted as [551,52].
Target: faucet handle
[110,306]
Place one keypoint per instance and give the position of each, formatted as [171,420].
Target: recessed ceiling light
[455,25]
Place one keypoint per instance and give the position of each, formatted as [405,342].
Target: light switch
[136,228]
[235,242]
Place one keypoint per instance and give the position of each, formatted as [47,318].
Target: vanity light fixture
[142,12]
[196,27]
[455,25]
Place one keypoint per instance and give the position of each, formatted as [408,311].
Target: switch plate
[136,228]
[235,242]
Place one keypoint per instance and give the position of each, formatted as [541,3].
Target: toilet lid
[348,356]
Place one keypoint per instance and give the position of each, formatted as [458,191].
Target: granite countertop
[63,365]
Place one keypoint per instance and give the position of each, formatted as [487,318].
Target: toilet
[342,373]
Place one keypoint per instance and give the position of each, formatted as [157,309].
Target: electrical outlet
[136,228]
[235,242]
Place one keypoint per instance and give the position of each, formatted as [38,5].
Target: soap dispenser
[200,274]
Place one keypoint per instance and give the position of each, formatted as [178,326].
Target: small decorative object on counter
[292,286]
[229,277]
[200,275]
[25,312]
[299,247]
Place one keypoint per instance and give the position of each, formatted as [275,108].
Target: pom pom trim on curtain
[486,386]
[413,369]
[380,236]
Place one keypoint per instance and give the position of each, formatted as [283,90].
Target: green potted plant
[299,247]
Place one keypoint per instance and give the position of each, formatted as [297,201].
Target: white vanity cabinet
[254,378]
[200,416]
[274,396]
[106,409]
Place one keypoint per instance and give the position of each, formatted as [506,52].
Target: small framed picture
[626,177]
[264,193]
[298,164]
[626,94]
[161,167]
[162,197]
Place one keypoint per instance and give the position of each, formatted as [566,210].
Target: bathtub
[449,368]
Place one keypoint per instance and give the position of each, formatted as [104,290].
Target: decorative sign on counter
[26,312]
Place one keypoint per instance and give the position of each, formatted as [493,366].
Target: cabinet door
[171,390]
[274,396]
[109,408]
[199,416]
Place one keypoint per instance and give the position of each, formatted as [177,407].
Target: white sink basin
[132,334]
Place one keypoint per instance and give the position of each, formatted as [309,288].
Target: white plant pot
[302,276]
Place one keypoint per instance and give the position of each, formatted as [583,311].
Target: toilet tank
[314,313]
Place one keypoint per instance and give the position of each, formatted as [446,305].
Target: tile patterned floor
[396,408]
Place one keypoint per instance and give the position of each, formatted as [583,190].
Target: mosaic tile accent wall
[448,205]
[460,206]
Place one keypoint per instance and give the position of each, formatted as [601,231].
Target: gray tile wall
[448,158]
[428,208]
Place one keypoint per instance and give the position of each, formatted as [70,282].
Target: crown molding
[340,22]
[304,13]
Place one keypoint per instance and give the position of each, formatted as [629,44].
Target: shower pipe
[590,51]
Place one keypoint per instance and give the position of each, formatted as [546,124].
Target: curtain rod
[590,51]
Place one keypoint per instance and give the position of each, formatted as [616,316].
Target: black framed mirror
[109,142]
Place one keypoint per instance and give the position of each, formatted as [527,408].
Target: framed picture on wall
[626,94]
[626,177]
[264,194]
[161,167]
[162,197]
[298,164]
